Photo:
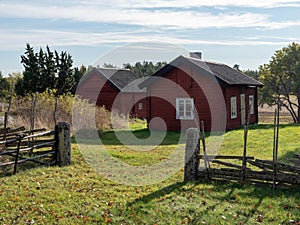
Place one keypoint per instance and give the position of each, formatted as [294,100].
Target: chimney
[196,55]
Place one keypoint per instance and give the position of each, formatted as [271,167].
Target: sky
[245,32]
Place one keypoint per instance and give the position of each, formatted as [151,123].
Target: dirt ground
[266,115]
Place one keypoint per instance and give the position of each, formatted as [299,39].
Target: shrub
[44,111]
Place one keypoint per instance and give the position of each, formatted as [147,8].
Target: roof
[123,79]
[227,74]
[223,72]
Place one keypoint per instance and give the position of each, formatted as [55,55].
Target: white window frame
[233,107]
[185,115]
[251,104]
[140,106]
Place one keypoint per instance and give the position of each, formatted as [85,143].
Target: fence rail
[37,146]
[235,168]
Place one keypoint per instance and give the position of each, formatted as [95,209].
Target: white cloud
[197,3]
[158,18]
[14,39]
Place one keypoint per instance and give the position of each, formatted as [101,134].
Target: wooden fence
[39,147]
[236,168]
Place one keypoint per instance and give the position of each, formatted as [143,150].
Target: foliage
[79,72]
[281,77]
[78,195]
[109,65]
[4,86]
[46,70]
[236,67]
[45,107]
[252,73]
[65,80]
[145,68]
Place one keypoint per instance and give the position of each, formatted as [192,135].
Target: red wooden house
[188,90]
[116,89]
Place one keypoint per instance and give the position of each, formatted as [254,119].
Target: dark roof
[223,72]
[227,74]
[123,79]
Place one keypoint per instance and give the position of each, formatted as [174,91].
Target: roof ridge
[205,61]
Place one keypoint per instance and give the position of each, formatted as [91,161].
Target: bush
[44,113]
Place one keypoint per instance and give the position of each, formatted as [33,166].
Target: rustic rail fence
[200,166]
[221,167]
[39,146]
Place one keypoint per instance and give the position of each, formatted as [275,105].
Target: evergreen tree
[65,80]
[145,68]
[50,70]
[79,73]
[45,70]
[31,73]
[252,73]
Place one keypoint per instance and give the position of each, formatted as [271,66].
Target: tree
[252,73]
[236,67]
[108,65]
[65,80]
[31,77]
[281,77]
[79,73]
[145,68]
[45,70]
[4,86]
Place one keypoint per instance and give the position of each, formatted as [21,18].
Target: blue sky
[228,31]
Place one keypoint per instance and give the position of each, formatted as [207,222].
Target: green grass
[76,194]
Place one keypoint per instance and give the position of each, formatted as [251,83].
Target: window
[140,106]
[251,104]
[233,108]
[185,108]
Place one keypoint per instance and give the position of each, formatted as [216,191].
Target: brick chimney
[196,55]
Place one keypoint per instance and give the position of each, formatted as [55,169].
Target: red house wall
[101,92]
[97,90]
[236,91]
[129,102]
[159,107]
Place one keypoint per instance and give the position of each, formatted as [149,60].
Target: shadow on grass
[267,126]
[221,192]
[171,137]
[288,156]
[158,194]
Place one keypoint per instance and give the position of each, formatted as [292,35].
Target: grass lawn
[76,194]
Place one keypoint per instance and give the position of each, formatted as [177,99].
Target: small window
[233,108]
[251,104]
[185,108]
[140,106]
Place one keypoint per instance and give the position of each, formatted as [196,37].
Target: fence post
[63,144]
[191,156]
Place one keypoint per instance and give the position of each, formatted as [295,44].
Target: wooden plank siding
[159,107]
[100,91]
[236,91]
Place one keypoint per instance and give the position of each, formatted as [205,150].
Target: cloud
[197,3]
[193,3]
[14,39]
[164,18]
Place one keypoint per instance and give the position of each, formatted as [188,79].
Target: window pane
[181,109]
[184,108]
[233,107]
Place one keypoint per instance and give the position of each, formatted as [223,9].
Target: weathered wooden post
[63,145]
[191,155]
